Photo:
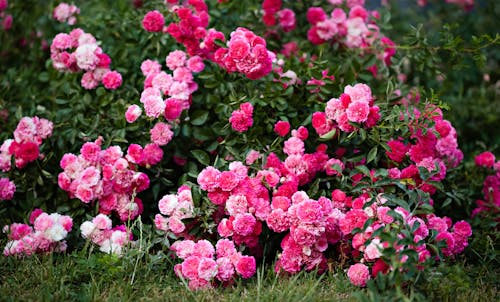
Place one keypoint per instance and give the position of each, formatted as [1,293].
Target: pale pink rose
[225,248]
[252,156]
[183,249]
[208,179]
[238,168]
[358,274]
[151,91]
[86,57]
[161,223]
[373,250]
[43,222]
[294,146]
[161,134]
[225,269]
[150,67]
[176,59]
[228,180]
[176,225]
[179,90]
[244,224]
[236,204]
[207,269]
[154,106]
[203,248]
[162,81]
[190,267]
[102,222]
[133,113]
[358,111]
[168,204]
[225,228]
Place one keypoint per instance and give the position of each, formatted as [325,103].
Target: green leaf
[61,101]
[199,117]
[100,91]
[362,133]
[372,154]
[328,136]
[400,202]
[156,191]
[201,156]
[446,202]
[288,91]
[43,77]
[219,43]
[87,99]
[363,169]
[314,188]
[425,209]
[202,133]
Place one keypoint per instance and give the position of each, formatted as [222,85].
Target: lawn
[99,277]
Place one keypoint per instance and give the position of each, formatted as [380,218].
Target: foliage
[374,128]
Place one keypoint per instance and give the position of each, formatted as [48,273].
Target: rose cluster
[191,30]
[5,19]
[176,207]
[490,204]
[7,189]
[176,87]
[25,147]
[368,248]
[355,29]
[79,51]
[467,5]
[104,175]
[432,145]
[271,199]
[243,202]
[314,85]
[355,105]
[246,199]
[65,13]
[245,53]
[203,264]
[273,13]
[148,156]
[46,234]
[311,226]
[110,239]
[241,120]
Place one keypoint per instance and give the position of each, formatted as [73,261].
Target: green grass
[100,277]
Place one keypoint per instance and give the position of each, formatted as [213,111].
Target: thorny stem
[496,40]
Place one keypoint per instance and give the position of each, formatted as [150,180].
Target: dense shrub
[319,134]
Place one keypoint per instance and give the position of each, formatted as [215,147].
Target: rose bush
[304,132]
